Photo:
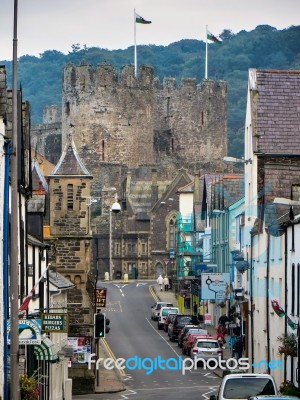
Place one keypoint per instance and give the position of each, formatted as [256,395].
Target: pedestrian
[160,282]
[195,308]
[166,283]
[221,332]
[237,348]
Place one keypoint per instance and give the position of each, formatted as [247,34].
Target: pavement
[110,381]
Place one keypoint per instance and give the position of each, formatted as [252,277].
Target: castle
[134,136]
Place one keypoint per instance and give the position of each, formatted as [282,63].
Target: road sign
[100,297]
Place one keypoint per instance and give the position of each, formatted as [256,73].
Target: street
[134,335]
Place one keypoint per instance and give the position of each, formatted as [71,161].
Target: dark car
[168,320]
[183,333]
[179,322]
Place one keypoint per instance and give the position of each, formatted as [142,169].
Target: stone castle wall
[46,138]
[132,121]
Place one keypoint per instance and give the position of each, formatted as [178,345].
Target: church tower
[70,232]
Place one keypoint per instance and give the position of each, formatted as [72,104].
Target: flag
[276,307]
[141,20]
[213,38]
[26,301]
[24,306]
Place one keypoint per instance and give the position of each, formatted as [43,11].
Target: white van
[164,311]
[242,386]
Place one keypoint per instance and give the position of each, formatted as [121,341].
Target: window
[70,200]
[172,233]
[144,267]
[131,248]
[117,249]
[144,249]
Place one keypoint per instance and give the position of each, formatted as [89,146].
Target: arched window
[172,224]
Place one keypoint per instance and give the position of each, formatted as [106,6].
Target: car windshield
[242,388]
[199,331]
[208,345]
[166,312]
[184,320]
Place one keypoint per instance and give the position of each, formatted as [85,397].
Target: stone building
[134,135]
[70,232]
[128,121]
[46,137]
[142,235]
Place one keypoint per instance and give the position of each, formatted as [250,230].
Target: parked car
[156,309]
[273,397]
[243,386]
[163,314]
[168,320]
[206,348]
[183,333]
[190,340]
[179,322]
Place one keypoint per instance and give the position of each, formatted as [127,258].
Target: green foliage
[287,388]
[263,47]
[288,345]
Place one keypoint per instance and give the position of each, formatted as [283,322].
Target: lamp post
[14,253]
[115,208]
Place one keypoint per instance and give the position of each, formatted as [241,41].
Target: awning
[46,351]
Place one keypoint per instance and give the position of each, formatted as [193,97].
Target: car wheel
[158,327]
[172,338]
[183,350]
[188,352]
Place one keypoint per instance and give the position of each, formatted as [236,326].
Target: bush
[287,388]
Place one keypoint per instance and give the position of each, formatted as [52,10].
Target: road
[134,335]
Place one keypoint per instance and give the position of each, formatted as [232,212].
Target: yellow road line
[153,294]
[110,352]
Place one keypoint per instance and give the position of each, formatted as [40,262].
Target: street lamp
[229,160]
[115,208]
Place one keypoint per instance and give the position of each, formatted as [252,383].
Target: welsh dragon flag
[141,20]
[213,38]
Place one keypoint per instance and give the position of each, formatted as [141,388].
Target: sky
[57,24]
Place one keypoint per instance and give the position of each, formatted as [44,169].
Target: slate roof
[275,109]
[60,281]
[70,163]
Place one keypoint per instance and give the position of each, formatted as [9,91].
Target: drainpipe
[7,152]
[286,299]
[251,303]
[267,300]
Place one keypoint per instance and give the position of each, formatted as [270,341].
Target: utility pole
[14,252]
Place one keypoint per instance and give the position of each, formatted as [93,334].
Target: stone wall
[132,121]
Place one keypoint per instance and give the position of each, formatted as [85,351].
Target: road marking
[110,352]
[128,393]
[120,286]
[171,347]
[141,284]
[213,389]
[128,378]
[153,294]
[112,306]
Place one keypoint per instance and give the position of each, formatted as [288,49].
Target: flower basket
[288,345]
[29,387]
[287,388]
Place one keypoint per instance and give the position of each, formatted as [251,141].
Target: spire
[70,163]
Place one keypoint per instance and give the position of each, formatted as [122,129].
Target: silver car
[155,310]
[206,348]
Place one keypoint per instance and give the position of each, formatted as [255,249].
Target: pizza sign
[100,297]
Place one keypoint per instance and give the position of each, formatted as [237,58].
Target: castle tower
[70,233]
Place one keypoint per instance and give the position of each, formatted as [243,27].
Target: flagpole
[206,55]
[135,52]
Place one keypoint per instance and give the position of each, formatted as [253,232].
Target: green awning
[46,351]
